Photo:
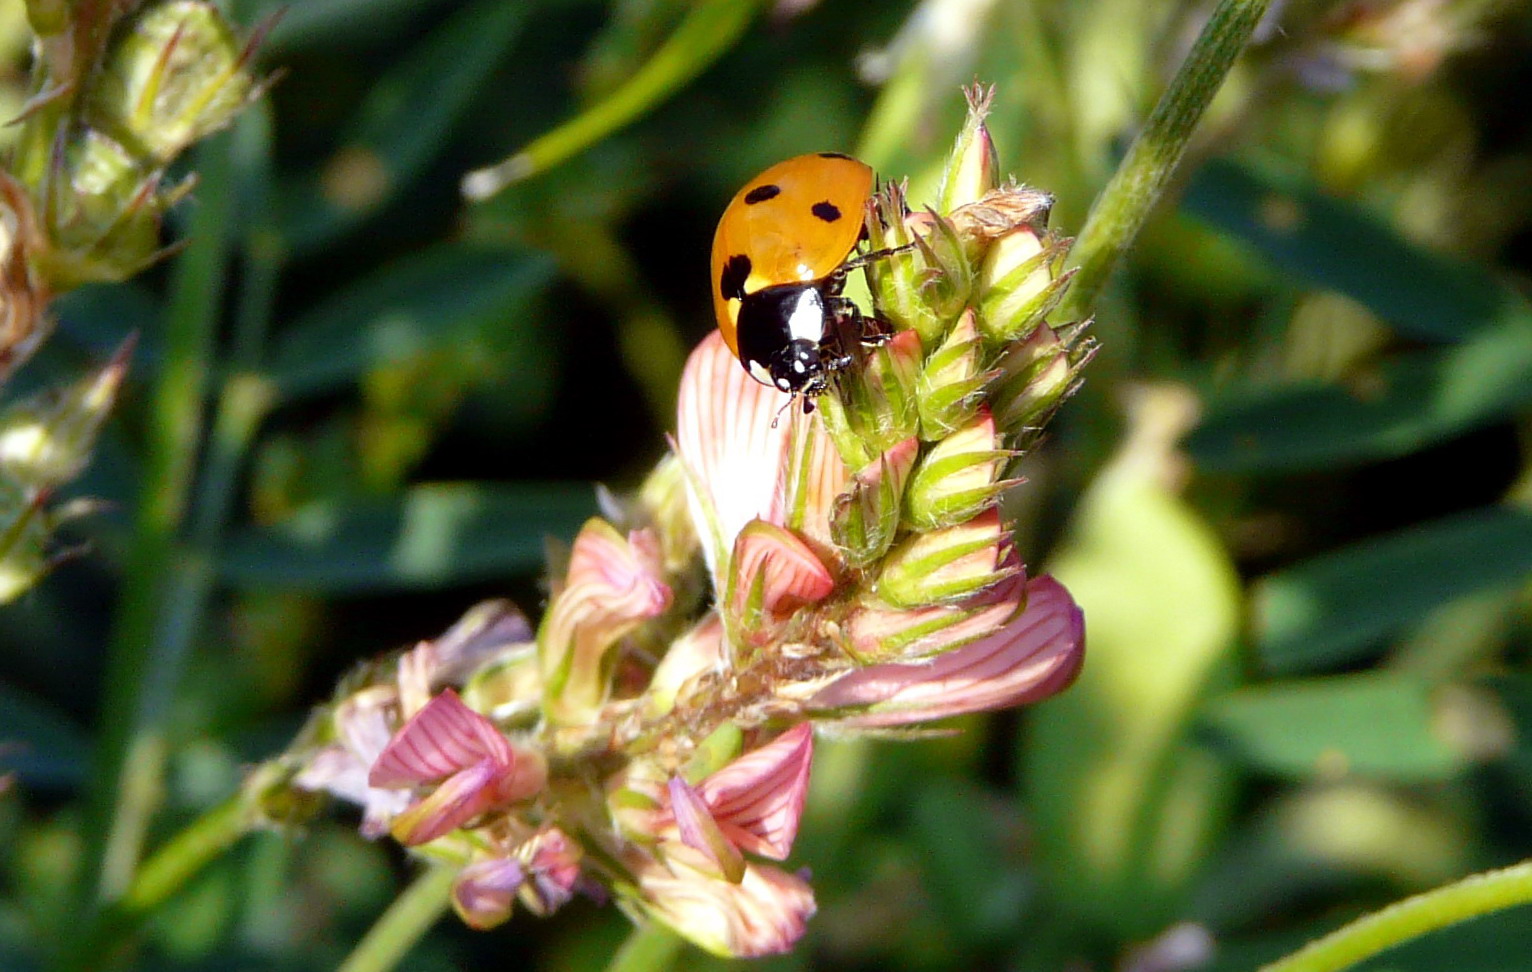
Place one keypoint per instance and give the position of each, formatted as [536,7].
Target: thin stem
[1123,206]
[649,948]
[402,925]
[709,29]
[1400,922]
[143,667]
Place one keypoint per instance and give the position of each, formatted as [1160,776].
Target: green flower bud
[508,689]
[24,536]
[174,76]
[897,279]
[958,477]
[103,213]
[973,165]
[875,407]
[950,281]
[46,441]
[866,515]
[944,566]
[1035,374]
[1021,281]
[951,386]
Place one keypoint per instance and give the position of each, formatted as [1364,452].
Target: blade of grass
[711,27]
[143,667]
[404,923]
[1122,207]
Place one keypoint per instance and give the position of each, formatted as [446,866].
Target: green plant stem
[1408,919]
[709,29]
[143,667]
[649,948]
[1122,207]
[402,925]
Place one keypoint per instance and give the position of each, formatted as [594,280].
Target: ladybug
[779,264]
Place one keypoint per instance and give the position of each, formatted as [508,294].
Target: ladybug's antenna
[791,398]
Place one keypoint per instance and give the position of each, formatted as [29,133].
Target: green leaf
[1337,245]
[1337,607]
[1410,402]
[316,23]
[1124,808]
[1377,724]
[403,124]
[431,536]
[420,303]
[39,743]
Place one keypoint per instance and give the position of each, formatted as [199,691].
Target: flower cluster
[783,572]
[120,91]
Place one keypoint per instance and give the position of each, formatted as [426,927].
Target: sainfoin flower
[654,741]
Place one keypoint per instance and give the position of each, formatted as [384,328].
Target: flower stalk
[653,740]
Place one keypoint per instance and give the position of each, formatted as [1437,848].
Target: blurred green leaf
[1125,809]
[1410,402]
[306,23]
[1335,608]
[39,743]
[1378,724]
[977,893]
[431,536]
[403,123]
[419,303]
[1337,245]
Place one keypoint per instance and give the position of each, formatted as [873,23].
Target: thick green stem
[650,948]
[1122,207]
[1411,918]
[143,666]
[404,923]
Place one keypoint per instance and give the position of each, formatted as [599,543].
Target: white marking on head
[807,321]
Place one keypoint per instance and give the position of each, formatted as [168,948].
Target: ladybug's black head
[797,367]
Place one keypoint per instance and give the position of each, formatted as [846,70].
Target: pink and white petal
[694,655]
[730,438]
[792,575]
[699,831]
[460,798]
[766,913]
[417,668]
[553,860]
[758,799]
[815,476]
[485,891]
[1033,657]
[442,738]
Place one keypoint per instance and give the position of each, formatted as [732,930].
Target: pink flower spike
[702,833]
[787,574]
[758,799]
[485,892]
[732,434]
[1036,655]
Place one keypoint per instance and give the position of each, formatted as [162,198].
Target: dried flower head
[657,744]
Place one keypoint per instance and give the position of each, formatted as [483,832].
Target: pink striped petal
[1033,657]
[553,860]
[758,798]
[459,799]
[701,832]
[732,433]
[789,573]
[814,477]
[442,738]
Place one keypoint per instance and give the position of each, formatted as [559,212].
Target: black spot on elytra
[731,283]
[826,211]
[762,193]
[835,155]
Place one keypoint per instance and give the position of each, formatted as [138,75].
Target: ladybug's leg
[861,260]
[851,327]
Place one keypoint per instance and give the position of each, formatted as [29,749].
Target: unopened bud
[867,513]
[24,539]
[1033,375]
[973,166]
[103,211]
[1022,279]
[944,566]
[46,441]
[958,477]
[507,690]
[897,280]
[950,281]
[876,408]
[876,632]
[951,386]
[174,76]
